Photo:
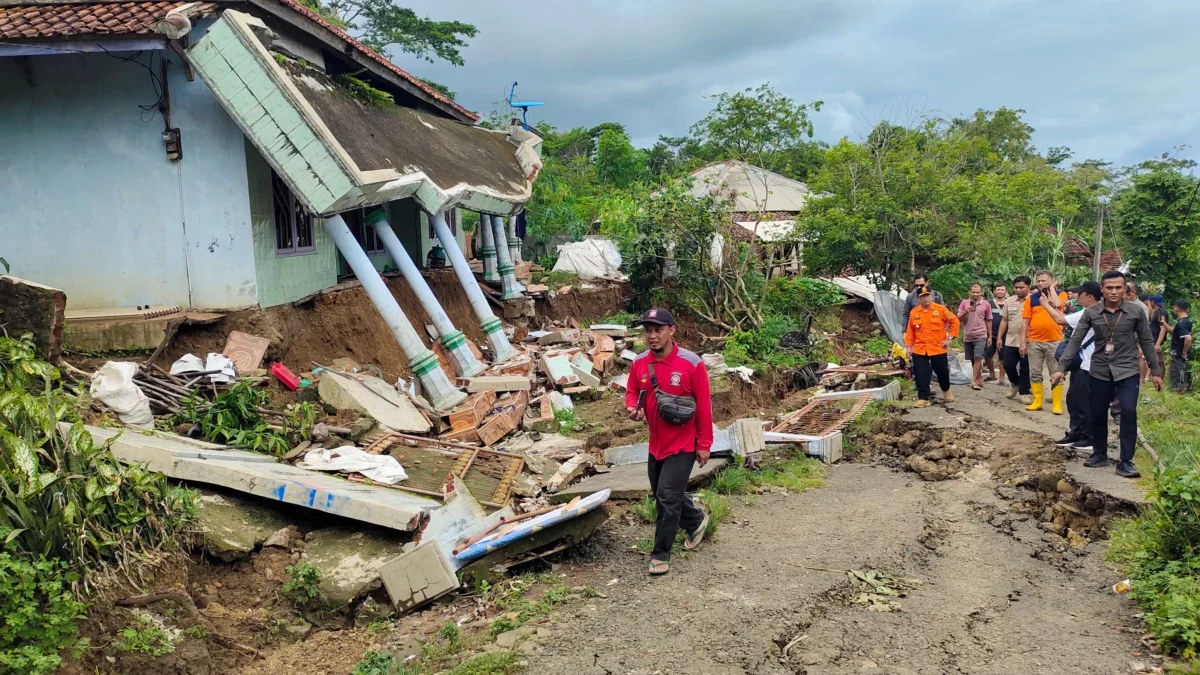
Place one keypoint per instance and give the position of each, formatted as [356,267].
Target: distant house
[763,204]
[188,153]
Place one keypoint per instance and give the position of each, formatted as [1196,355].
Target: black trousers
[1017,367]
[924,368]
[1101,392]
[668,483]
[1078,405]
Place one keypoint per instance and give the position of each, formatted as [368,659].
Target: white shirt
[1085,354]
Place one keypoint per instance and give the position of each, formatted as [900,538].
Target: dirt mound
[598,300]
[932,454]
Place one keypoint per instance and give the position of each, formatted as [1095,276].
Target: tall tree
[380,24]
[758,126]
[1158,215]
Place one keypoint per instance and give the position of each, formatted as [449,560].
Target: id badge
[1109,347]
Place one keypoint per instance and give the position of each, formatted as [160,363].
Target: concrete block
[557,366]
[350,560]
[746,437]
[627,454]
[888,392]
[627,355]
[28,307]
[375,398]
[232,527]
[611,329]
[827,448]
[418,576]
[585,377]
[499,383]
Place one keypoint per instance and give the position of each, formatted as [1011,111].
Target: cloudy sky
[1112,79]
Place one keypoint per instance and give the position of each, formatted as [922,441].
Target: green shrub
[760,348]
[646,510]
[799,296]
[38,614]
[145,637]
[879,345]
[305,584]
[63,496]
[375,662]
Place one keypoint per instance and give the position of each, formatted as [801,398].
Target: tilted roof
[748,188]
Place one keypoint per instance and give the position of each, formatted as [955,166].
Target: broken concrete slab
[557,366]
[233,527]
[827,448]
[568,472]
[621,455]
[373,397]
[746,437]
[29,307]
[1105,481]
[630,481]
[350,560]
[551,446]
[499,383]
[571,531]
[418,576]
[585,377]
[610,329]
[888,392]
[261,476]
[627,355]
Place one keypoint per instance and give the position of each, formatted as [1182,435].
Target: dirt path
[995,596]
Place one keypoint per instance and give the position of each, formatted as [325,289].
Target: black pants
[924,368]
[1101,392]
[1017,367]
[1078,405]
[668,483]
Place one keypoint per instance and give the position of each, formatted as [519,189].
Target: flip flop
[693,540]
[659,567]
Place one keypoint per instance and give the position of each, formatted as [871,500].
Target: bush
[305,584]
[39,614]
[146,637]
[797,296]
[760,348]
[65,497]
[880,345]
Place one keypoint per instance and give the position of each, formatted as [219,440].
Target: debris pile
[933,454]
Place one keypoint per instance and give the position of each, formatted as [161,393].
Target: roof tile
[124,18]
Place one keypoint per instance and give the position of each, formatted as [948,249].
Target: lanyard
[1111,346]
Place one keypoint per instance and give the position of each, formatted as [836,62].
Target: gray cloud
[1111,79]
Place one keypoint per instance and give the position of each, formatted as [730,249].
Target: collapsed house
[224,155]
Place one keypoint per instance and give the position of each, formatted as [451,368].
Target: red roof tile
[299,7]
[120,18]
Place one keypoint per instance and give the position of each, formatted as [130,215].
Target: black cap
[656,315]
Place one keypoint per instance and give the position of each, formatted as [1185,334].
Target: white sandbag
[188,363]
[113,386]
[349,459]
[590,259]
[714,364]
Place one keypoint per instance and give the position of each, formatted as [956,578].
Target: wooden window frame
[295,225]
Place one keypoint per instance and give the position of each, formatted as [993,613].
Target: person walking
[995,351]
[668,388]
[1079,432]
[931,327]
[919,282]
[1158,326]
[1012,327]
[1039,341]
[1181,347]
[975,314]
[1119,328]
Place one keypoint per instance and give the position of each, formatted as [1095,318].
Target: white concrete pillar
[437,386]
[501,349]
[452,339]
[512,289]
[487,250]
[514,243]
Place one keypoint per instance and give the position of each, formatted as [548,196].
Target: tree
[757,126]
[1158,215]
[379,24]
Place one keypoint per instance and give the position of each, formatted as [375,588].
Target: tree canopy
[380,24]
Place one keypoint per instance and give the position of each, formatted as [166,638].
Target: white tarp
[590,259]
[349,459]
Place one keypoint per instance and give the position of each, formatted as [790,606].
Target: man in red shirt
[669,370]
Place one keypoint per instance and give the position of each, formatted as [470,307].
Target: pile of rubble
[932,454]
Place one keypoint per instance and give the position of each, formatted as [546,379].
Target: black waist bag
[671,408]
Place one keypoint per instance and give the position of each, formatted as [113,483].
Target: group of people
[1115,346]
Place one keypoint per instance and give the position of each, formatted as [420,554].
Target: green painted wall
[283,280]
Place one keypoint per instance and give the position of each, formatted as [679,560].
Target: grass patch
[794,472]
[718,508]
[858,432]
[1160,547]
[646,510]
[568,421]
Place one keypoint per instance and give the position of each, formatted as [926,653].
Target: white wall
[93,206]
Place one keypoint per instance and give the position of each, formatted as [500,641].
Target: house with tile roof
[229,154]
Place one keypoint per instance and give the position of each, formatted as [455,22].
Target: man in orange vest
[930,328]
[1040,339]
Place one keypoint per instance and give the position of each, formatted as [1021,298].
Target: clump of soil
[932,454]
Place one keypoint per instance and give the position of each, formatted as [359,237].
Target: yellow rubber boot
[1039,396]
[1056,399]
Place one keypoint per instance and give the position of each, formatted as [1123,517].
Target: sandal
[693,540]
[976,387]
[659,567]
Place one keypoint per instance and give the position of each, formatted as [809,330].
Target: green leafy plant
[63,496]
[38,614]
[568,421]
[878,345]
[235,419]
[304,587]
[375,662]
[504,663]
[144,637]
[360,91]
[197,632]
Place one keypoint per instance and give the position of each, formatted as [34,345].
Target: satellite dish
[523,105]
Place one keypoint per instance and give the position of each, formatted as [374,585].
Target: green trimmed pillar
[508,276]
[451,338]
[488,249]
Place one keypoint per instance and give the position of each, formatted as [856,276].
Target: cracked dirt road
[993,598]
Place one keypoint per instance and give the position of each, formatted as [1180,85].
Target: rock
[921,465]
[937,455]
[373,397]
[983,452]
[527,485]
[1056,528]
[542,465]
[1064,486]
[910,439]
[1006,492]
[29,307]
[349,560]
[1076,540]
[232,527]
[1047,484]
[297,631]
[283,537]
[953,466]
[510,639]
